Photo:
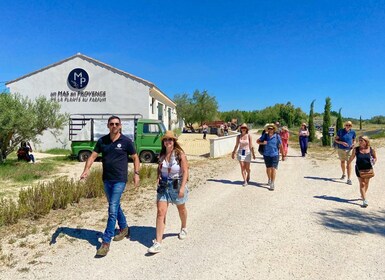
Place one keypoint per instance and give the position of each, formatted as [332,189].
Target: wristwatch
[136,172]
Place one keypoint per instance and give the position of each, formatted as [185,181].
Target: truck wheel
[84,155]
[147,156]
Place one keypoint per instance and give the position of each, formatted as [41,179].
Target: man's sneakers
[103,250]
[123,233]
[271,186]
[365,203]
[183,234]
[349,182]
[343,177]
[155,248]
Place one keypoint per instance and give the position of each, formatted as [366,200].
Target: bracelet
[136,172]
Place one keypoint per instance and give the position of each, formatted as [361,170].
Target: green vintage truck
[86,129]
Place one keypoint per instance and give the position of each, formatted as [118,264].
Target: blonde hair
[366,139]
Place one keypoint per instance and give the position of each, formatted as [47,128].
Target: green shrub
[9,212]
[37,201]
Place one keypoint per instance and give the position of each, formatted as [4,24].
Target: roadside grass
[37,201]
[42,208]
[58,152]
[27,173]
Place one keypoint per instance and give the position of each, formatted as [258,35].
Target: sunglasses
[168,139]
[114,124]
[270,128]
[348,125]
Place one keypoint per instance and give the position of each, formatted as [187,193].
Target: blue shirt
[347,137]
[115,157]
[272,146]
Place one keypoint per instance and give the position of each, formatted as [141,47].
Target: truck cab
[86,129]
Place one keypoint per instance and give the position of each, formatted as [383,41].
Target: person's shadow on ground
[91,236]
[338,199]
[145,235]
[335,180]
[238,182]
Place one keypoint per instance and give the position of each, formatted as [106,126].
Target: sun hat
[348,122]
[243,125]
[285,128]
[304,124]
[169,134]
[270,125]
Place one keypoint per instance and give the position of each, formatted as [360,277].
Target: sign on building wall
[77,81]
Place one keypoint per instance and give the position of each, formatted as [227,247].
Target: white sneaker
[269,182]
[155,248]
[183,234]
[271,186]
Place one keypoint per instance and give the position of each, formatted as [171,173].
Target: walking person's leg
[162,207]
[243,171]
[301,144]
[343,169]
[247,168]
[160,220]
[183,219]
[113,193]
[349,171]
[305,144]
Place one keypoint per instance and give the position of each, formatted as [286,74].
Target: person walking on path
[345,139]
[204,130]
[115,148]
[365,159]
[303,138]
[285,140]
[172,187]
[244,145]
[273,145]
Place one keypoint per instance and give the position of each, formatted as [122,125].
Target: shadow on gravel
[80,233]
[352,221]
[338,199]
[238,183]
[335,180]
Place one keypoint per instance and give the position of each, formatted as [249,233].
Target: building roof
[97,62]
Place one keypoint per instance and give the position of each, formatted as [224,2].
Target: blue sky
[248,54]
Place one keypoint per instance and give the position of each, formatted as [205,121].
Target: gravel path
[310,227]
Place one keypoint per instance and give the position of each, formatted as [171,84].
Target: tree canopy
[23,119]
[199,108]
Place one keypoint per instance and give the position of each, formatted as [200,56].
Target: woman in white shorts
[244,144]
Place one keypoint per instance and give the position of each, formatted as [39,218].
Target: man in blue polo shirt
[115,148]
[345,139]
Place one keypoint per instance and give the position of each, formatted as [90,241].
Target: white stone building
[83,85]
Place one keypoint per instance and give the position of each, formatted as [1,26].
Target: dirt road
[310,227]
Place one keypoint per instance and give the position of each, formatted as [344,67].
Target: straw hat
[304,124]
[285,128]
[268,125]
[169,134]
[244,125]
[348,123]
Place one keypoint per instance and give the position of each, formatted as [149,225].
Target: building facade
[83,85]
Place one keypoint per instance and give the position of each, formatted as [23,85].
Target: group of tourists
[172,182]
[172,172]
[274,141]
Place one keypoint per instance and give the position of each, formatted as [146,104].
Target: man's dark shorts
[271,161]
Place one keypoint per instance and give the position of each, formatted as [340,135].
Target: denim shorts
[271,161]
[170,195]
